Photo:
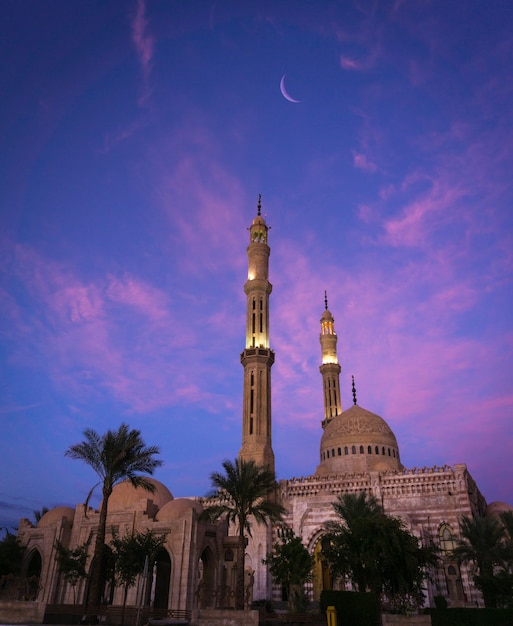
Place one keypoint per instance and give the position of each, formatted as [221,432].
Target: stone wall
[21,612]
[218,617]
[405,620]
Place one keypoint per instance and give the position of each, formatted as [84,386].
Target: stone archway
[207,582]
[162,579]
[33,575]
[107,582]
[322,579]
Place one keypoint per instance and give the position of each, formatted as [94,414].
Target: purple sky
[135,139]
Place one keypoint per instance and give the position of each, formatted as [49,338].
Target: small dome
[358,441]
[258,220]
[55,515]
[327,315]
[177,508]
[125,495]
[494,509]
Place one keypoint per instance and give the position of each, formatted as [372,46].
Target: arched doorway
[107,581]
[322,580]
[162,579]
[33,575]
[206,586]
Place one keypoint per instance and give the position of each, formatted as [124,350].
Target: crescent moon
[284,92]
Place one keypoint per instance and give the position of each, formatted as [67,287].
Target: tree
[39,514]
[11,554]
[376,552]
[114,456]
[131,553]
[507,521]
[243,492]
[485,542]
[72,563]
[291,565]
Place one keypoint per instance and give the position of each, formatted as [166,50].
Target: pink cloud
[130,291]
[115,336]
[369,40]
[205,206]
[423,215]
[360,161]
[347,63]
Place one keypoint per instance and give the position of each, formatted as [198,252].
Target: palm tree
[483,543]
[349,545]
[39,514]
[114,456]
[244,491]
[377,552]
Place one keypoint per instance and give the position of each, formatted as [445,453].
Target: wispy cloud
[20,408]
[115,334]
[144,45]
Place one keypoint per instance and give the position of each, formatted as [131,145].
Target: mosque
[358,452]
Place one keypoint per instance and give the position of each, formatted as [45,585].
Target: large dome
[178,508]
[54,516]
[125,495]
[358,441]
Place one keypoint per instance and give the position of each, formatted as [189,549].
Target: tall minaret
[330,368]
[257,357]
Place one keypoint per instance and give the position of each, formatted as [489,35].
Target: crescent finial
[259,205]
[354,390]
[326,300]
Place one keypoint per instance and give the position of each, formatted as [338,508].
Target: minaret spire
[330,368]
[257,357]
[354,390]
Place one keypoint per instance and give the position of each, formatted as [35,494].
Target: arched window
[333,452]
[361,449]
[389,453]
[383,450]
[346,451]
[328,454]
[339,452]
[369,449]
[353,449]
[376,450]
[446,538]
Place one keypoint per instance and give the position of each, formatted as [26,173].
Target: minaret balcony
[262,355]
[258,284]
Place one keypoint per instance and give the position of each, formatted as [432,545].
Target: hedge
[353,608]
[471,617]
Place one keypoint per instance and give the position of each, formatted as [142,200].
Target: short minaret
[257,357]
[330,368]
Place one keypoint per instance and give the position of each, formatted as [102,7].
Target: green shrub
[353,608]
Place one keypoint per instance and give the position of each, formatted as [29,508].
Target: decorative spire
[325,301]
[354,391]
[259,205]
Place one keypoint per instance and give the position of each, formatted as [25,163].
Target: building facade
[358,452]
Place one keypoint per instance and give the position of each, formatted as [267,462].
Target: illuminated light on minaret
[330,368]
[257,357]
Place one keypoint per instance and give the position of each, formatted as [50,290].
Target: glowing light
[329,358]
[251,276]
